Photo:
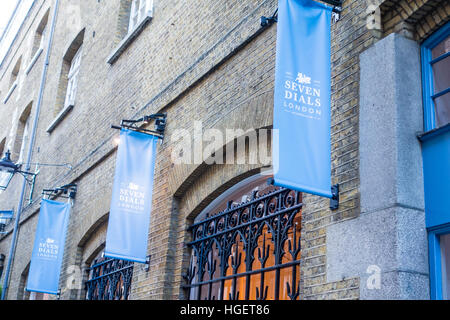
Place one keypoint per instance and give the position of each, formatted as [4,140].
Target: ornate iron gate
[109,279]
[249,251]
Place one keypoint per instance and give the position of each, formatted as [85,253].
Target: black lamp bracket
[30,177]
[136,125]
[147,263]
[267,21]
[334,201]
[38,164]
[337,9]
[67,191]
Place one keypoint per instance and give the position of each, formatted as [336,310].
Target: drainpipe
[12,249]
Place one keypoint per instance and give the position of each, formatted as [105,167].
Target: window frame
[43,37]
[24,141]
[139,12]
[434,231]
[72,79]
[427,75]
[39,35]
[133,30]
[435,260]
[71,64]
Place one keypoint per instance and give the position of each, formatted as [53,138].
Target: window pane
[445,259]
[42,43]
[24,141]
[4,178]
[441,48]
[441,75]
[142,13]
[442,109]
[76,61]
[68,93]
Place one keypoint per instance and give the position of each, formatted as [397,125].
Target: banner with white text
[131,203]
[48,250]
[302,158]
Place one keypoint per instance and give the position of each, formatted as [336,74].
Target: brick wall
[211,62]
[415,18]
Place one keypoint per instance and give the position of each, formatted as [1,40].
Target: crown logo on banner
[302,78]
[133,186]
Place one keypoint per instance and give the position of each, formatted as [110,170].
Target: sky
[6,9]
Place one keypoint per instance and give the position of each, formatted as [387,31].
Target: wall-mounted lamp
[8,169]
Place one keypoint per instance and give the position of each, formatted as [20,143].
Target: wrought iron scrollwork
[223,263]
[109,279]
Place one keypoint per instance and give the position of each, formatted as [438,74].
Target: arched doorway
[246,244]
[109,279]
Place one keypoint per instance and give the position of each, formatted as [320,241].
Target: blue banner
[302,156]
[131,204]
[48,250]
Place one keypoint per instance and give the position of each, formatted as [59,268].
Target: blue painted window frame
[434,248]
[427,75]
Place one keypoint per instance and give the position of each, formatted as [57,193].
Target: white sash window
[73,79]
[139,10]
[42,42]
[26,133]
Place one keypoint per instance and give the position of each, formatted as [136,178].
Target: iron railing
[109,279]
[267,225]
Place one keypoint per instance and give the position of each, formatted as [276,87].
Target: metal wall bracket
[267,21]
[160,124]
[334,201]
[147,264]
[67,191]
[337,9]
[335,16]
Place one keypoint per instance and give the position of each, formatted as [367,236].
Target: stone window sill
[123,45]
[10,92]
[60,117]
[33,61]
